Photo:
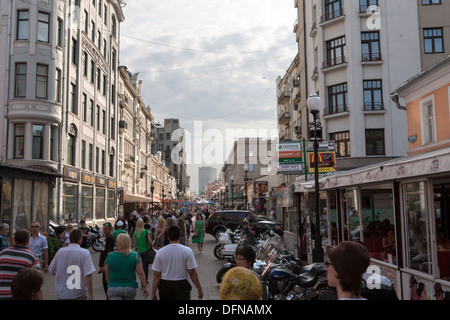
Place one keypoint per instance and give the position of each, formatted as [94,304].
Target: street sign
[327,161]
[290,157]
[323,145]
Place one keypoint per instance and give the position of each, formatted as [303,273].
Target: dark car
[231,219]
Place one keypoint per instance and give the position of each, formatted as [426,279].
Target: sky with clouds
[212,64]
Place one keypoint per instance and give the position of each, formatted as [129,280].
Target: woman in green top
[199,231]
[142,241]
[121,267]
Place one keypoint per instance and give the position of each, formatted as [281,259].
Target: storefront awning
[424,164]
[137,198]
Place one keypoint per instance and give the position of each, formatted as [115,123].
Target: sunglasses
[35,226]
[327,264]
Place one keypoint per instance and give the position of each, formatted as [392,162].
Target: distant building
[205,175]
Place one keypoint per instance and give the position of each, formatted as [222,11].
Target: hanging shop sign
[290,157]
[326,163]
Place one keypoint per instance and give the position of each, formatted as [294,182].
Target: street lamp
[232,187]
[245,181]
[314,105]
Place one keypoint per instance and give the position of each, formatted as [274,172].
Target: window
[93,31]
[373,97]
[23,25]
[104,85]
[375,142]
[103,121]
[58,86]
[20,80]
[91,159]
[19,141]
[71,150]
[98,118]
[85,63]
[75,51]
[111,165]
[442,228]
[430,2]
[104,48]
[333,9]
[342,143]
[91,113]
[103,162]
[85,111]
[87,202]
[99,81]
[86,22]
[97,160]
[433,40]
[335,52]
[73,99]
[54,143]
[99,203]
[417,232]
[370,46]
[114,26]
[38,141]
[428,122]
[60,40]
[337,99]
[92,71]
[41,81]
[83,154]
[43,32]
[365,4]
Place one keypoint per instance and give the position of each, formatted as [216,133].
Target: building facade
[59,103]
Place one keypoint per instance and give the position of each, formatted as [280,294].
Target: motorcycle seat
[309,278]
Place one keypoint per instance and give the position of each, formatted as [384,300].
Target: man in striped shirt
[13,259]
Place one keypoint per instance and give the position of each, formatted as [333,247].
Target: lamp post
[226,192]
[152,188]
[245,181]
[232,187]
[314,106]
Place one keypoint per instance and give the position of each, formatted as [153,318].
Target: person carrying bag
[143,245]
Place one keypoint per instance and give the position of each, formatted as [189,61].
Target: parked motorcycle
[226,246]
[94,240]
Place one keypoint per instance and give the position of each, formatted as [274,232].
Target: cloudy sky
[212,64]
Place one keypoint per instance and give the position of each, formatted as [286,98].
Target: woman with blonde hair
[160,233]
[121,267]
[142,242]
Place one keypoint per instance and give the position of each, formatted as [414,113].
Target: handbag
[149,255]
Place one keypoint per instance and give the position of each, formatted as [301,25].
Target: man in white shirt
[38,245]
[73,268]
[172,266]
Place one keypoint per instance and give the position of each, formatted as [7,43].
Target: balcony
[313,31]
[284,118]
[122,126]
[129,160]
[332,15]
[335,109]
[296,82]
[373,106]
[315,74]
[298,131]
[332,62]
[284,97]
[285,137]
[371,57]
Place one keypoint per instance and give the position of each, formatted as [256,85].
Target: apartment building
[60,59]
[356,53]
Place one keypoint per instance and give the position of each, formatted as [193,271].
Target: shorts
[121,293]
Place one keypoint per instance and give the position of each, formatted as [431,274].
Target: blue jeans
[144,265]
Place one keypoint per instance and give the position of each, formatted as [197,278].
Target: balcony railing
[284,96]
[332,15]
[335,109]
[370,57]
[334,62]
[285,117]
[373,106]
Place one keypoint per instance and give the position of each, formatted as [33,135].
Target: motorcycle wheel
[97,245]
[222,272]
[217,252]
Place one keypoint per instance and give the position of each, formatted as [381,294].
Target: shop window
[100,204]
[87,202]
[70,202]
[22,204]
[110,213]
[5,199]
[417,222]
[19,141]
[351,225]
[378,220]
[442,225]
[40,202]
[38,141]
[333,218]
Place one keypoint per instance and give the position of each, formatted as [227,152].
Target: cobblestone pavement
[208,265]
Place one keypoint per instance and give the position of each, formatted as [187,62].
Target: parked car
[231,219]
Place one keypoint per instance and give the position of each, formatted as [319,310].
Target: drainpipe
[7,79]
